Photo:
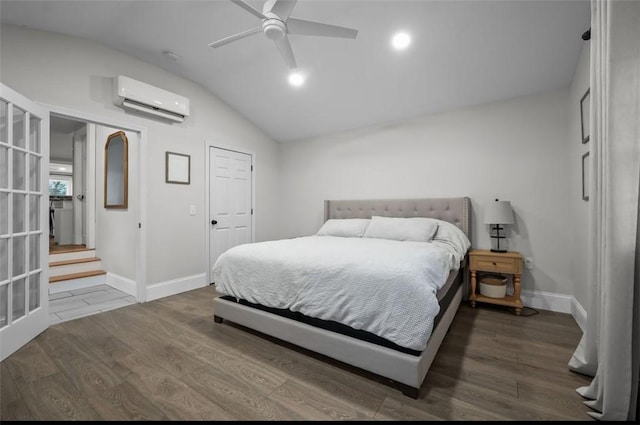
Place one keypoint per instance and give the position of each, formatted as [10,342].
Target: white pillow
[452,238]
[346,227]
[419,229]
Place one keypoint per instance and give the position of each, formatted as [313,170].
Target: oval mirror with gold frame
[116,178]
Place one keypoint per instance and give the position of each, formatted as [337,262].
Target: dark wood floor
[166,359]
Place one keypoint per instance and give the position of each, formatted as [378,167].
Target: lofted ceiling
[463,53]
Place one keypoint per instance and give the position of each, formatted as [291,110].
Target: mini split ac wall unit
[143,97]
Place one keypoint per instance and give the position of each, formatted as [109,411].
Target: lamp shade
[498,212]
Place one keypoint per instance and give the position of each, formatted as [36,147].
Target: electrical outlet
[528,262]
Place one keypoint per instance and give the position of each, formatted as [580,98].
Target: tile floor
[78,303]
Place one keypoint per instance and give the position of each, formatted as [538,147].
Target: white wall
[61,146]
[514,150]
[117,228]
[522,150]
[578,208]
[75,73]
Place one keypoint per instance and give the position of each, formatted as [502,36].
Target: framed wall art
[178,168]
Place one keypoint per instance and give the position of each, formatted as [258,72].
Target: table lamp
[496,214]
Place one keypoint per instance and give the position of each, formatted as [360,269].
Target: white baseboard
[176,286]
[556,302]
[123,284]
[547,301]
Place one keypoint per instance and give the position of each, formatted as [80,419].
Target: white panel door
[230,197]
[24,228]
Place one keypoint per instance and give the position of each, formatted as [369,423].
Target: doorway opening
[93,251]
[67,183]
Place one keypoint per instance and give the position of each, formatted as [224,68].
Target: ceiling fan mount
[273,27]
[277,24]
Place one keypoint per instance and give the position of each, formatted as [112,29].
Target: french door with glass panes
[24,232]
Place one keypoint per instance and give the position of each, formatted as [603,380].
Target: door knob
[214,222]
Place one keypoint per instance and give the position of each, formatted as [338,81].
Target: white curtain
[609,347]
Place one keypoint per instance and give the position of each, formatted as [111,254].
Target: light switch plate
[192,210]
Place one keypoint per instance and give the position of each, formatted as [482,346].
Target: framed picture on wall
[178,168]
[585,104]
[585,176]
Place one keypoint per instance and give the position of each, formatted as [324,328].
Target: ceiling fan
[276,24]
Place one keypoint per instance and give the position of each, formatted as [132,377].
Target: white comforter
[382,286]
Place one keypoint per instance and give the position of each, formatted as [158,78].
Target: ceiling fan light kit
[277,24]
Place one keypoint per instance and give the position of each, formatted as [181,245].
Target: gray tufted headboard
[453,210]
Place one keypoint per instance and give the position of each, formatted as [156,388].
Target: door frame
[141,175]
[81,225]
[208,144]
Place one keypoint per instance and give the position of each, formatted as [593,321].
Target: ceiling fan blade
[285,50]
[303,27]
[235,37]
[249,8]
[282,8]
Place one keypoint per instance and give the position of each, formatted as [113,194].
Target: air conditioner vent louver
[144,97]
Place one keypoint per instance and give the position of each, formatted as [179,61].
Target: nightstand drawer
[493,264]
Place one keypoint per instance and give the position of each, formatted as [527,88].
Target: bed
[255,281]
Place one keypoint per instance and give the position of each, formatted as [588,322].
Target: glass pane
[19,253]
[34,173]
[4,213]
[60,185]
[34,291]
[4,305]
[34,134]
[4,259]
[4,167]
[19,211]
[18,298]
[34,252]
[19,170]
[34,213]
[18,127]
[3,121]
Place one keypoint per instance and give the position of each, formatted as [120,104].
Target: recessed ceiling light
[296,79]
[401,41]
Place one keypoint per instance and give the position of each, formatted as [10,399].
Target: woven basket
[493,286]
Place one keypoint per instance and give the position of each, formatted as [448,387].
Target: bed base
[405,369]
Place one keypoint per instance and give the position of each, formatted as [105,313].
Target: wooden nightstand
[509,263]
